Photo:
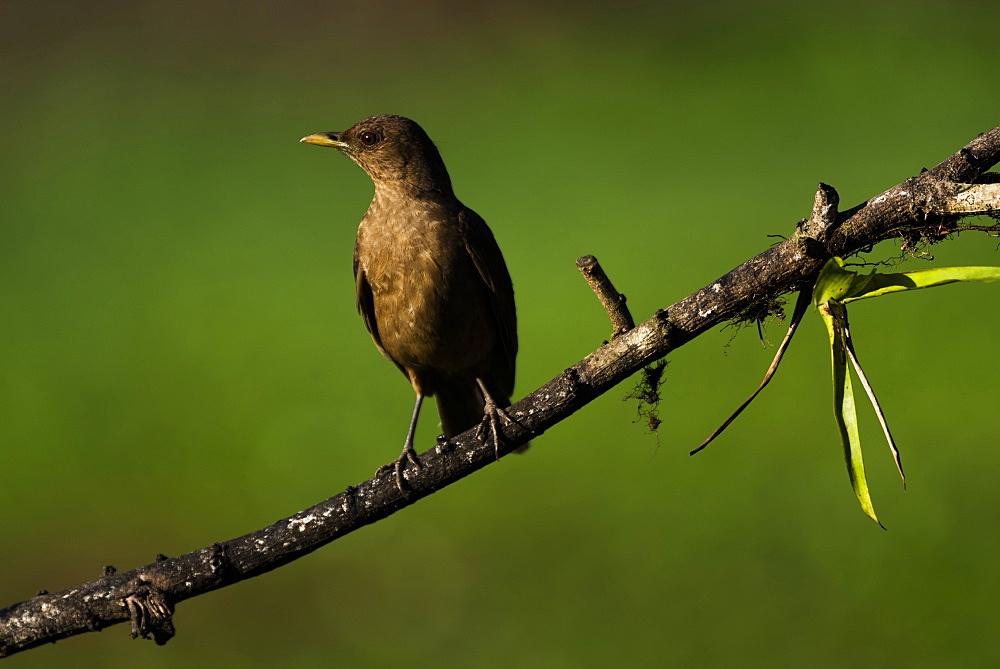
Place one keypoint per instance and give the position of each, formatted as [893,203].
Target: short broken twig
[613,301]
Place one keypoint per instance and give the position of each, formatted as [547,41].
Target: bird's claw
[398,466]
[489,427]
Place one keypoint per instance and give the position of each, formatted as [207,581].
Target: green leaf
[835,288]
[833,283]
[842,285]
[874,400]
[834,316]
[875,284]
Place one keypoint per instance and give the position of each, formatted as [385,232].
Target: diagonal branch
[147,595]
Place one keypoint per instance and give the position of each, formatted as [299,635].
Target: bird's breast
[431,306]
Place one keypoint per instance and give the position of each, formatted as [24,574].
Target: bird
[430,281]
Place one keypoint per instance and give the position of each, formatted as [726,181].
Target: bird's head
[390,149]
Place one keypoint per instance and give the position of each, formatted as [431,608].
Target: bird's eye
[369,138]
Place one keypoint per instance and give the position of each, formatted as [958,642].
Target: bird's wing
[366,306]
[488,259]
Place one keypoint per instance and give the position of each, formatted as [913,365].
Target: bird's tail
[462,406]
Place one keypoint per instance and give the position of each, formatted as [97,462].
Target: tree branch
[612,301]
[920,206]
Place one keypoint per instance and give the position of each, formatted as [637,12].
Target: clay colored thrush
[431,282]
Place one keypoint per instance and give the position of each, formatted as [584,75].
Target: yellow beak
[325,139]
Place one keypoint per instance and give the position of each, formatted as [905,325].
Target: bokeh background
[181,361]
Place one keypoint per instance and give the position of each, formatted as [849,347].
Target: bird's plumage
[431,282]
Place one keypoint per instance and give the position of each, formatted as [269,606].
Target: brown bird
[431,282]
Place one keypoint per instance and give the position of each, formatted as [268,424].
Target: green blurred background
[181,361]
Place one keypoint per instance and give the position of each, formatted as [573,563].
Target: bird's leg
[493,415]
[408,454]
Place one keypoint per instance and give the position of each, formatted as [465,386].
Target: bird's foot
[398,466]
[489,428]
